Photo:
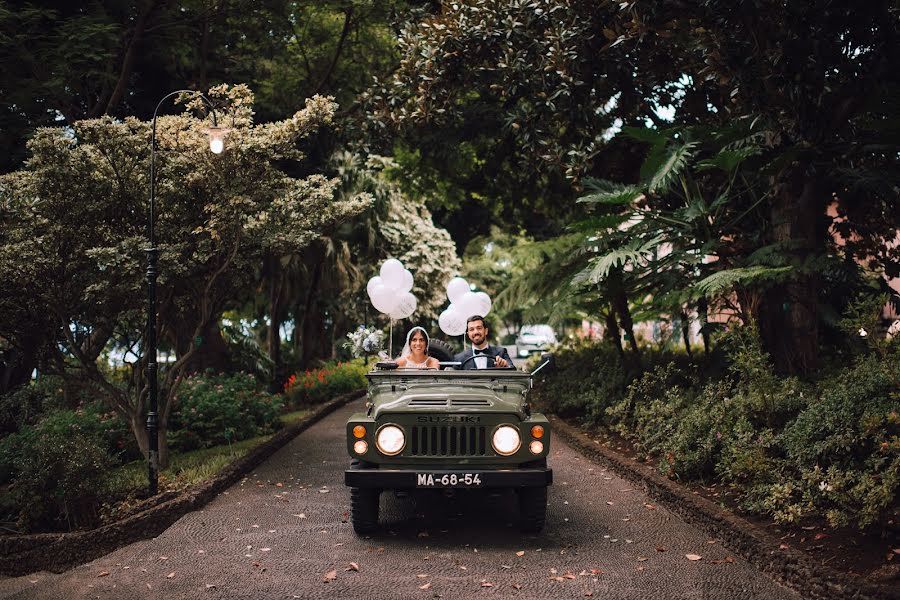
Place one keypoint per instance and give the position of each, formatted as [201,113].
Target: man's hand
[500,362]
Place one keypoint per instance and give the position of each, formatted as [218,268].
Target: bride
[415,353]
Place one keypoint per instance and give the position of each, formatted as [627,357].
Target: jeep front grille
[448,440]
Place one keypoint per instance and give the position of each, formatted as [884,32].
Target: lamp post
[216,146]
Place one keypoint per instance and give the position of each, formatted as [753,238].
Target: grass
[188,468]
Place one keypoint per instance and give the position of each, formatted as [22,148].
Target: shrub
[846,446]
[217,409]
[601,380]
[57,470]
[318,385]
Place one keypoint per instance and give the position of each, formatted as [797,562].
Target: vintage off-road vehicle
[450,430]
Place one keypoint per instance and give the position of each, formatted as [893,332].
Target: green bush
[211,410]
[845,447]
[57,469]
[318,385]
[601,380]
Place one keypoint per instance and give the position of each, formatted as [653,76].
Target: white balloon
[392,272]
[405,307]
[407,283]
[485,302]
[452,322]
[384,298]
[456,288]
[469,305]
[372,283]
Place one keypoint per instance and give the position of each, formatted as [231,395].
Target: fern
[723,281]
[634,252]
[673,166]
[728,160]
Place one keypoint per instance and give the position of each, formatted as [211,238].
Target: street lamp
[216,145]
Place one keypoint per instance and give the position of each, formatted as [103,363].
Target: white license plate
[448,480]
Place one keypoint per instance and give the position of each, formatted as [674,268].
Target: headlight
[390,440]
[536,447]
[360,447]
[506,440]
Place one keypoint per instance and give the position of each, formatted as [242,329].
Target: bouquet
[365,341]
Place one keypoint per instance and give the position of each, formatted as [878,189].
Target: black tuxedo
[498,351]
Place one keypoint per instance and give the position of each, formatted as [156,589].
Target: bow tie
[477,351]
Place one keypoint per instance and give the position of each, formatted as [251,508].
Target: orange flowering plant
[318,385]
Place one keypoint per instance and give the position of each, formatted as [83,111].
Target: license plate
[448,480]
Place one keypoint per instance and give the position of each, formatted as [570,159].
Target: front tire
[532,509]
[364,504]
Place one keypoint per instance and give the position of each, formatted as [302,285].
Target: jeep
[449,430]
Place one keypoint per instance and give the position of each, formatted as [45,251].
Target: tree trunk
[313,325]
[138,426]
[274,338]
[703,313]
[788,317]
[612,333]
[211,353]
[620,304]
[686,333]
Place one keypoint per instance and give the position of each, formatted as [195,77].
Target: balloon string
[391,340]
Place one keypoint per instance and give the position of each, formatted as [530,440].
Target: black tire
[441,350]
[532,509]
[364,504]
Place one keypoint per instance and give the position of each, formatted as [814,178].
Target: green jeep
[447,430]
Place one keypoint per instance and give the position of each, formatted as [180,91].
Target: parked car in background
[534,338]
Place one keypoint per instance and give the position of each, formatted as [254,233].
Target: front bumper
[409,478]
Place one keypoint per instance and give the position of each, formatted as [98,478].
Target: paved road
[280,531]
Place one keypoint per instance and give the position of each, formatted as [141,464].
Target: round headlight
[360,447]
[390,440]
[536,447]
[506,440]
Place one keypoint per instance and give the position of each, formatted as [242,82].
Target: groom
[477,331]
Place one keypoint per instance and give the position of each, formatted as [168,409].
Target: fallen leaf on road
[210,586]
[352,567]
[515,586]
[170,575]
[103,574]
[329,576]
[520,553]
[660,548]
[265,549]
[609,503]
[425,586]
[422,534]
[301,516]
[421,575]
[693,556]
[783,546]
[649,507]
[596,572]
[642,558]
[553,570]
[163,558]
[589,594]
[149,587]
[486,583]
[568,575]
[820,536]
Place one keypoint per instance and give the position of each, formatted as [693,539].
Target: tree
[73,237]
[813,83]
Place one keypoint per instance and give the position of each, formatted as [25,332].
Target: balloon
[485,302]
[407,282]
[405,307]
[452,322]
[384,298]
[392,272]
[456,288]
[469,305]
[372,283]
